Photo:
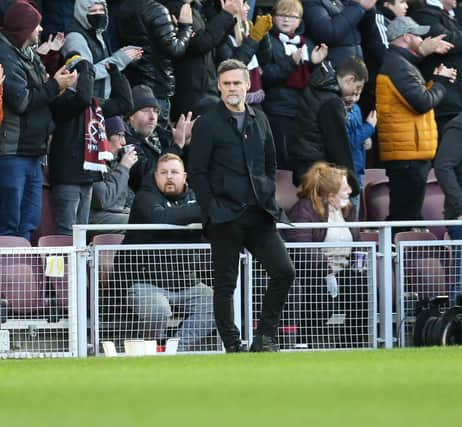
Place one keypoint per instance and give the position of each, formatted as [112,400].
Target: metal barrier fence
[426,270]
[154,292]
[38,290]
[45,298]
[318,316]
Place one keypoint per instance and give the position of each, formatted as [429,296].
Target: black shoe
[236,348]
[264,343]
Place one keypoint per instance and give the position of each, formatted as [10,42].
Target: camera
[435,325]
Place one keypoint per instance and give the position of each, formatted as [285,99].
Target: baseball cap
[402,25]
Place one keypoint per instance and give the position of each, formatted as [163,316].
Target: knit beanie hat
[114,125]
[19,21]
[143,97]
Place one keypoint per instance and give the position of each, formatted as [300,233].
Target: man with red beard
[162,284]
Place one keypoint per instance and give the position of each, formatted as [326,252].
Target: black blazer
[226,165]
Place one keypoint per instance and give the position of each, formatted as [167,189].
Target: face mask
[98,21]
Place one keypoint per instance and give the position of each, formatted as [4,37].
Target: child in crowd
[287,73]
[244,42]
[359,134]
[2,77]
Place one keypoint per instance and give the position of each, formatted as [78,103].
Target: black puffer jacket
[441,23]
[147,24]
[195,72]
[27,95]
[320,127]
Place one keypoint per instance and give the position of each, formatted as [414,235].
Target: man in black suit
[232,170]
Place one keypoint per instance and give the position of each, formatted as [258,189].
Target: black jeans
[408,181]
[255,230]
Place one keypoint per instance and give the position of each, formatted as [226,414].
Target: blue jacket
[358,131]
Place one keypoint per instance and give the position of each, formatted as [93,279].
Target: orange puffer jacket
[404,134]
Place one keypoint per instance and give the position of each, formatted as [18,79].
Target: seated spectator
[158,288]
[151,141]
[320,128]
[324,197]
[111,199]
[87,36]
[2,78]
[79,148]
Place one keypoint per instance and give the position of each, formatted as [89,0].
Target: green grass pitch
[409,387]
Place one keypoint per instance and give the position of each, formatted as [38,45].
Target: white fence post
[386,287]
[80,244]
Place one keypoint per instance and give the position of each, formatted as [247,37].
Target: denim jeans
[455,231]
[154,306]
[20,195]
[71,205]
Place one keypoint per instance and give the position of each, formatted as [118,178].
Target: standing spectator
[173,286]
[79,148]
[448,170]
[87,36]
[195,72]
[4,4]
[320,127]
[232,169]
[336,23]
[386,12]
[27,95]
[406,121]
[286,74]
[439,16]
[246,41]
[111,199]
[2,79]
[147,23]
[151,141]
[57,15]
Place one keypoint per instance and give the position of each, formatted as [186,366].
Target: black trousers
[255,230]
[408,181]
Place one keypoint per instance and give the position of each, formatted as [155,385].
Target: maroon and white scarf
[298,79]
[96,147]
